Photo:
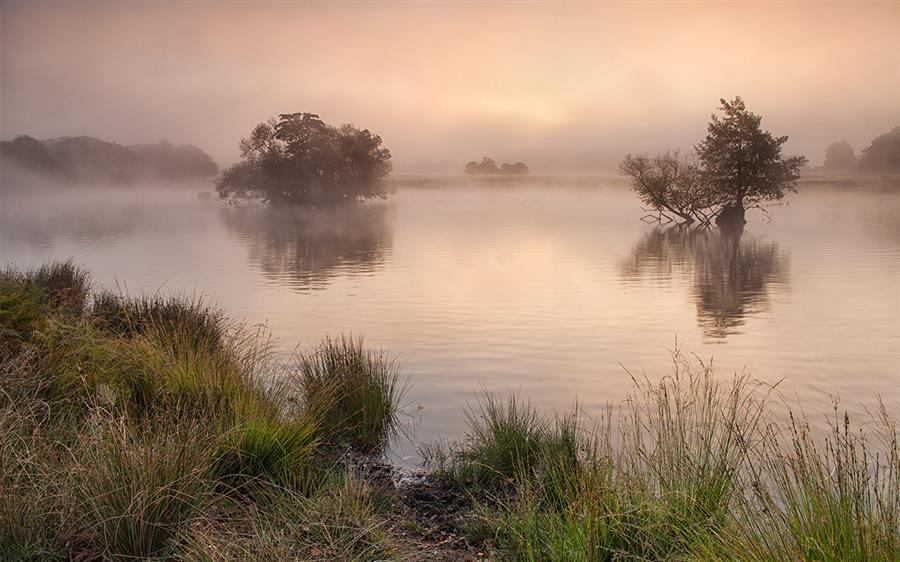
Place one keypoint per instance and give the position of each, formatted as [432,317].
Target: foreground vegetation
[151,427]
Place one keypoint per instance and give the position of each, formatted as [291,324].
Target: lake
[547,289]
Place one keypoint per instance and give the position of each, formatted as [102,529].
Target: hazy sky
[562,86]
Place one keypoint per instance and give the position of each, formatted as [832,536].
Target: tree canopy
[840,156]
[743,163]
[488,167]
[89,159]
[300,159]
[883,155]
[737,166]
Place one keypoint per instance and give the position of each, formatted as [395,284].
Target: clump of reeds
[124,423]
[356,391]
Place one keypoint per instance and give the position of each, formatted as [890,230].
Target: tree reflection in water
[731,274]
[306,248]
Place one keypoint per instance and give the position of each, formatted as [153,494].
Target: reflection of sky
[518,289]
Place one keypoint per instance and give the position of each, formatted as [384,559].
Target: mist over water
[549,289]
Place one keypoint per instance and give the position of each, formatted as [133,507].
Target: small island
[488,167]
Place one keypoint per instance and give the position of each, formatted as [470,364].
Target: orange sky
[562,86]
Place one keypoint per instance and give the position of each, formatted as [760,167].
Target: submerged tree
[670,186]
[738,167]
[743,163]
[301,159]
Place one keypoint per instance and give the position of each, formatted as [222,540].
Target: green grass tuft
[357,392]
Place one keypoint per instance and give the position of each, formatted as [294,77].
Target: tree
[300,159]
[884,153]
[738,166]
[487,167]
[89,159]
[840,156]
[517,169]
[742,163]
[670,186]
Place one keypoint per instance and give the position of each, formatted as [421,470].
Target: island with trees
[300,159]
[738,166]
[91,160]
[488,167]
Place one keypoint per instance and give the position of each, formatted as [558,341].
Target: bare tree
[672,187]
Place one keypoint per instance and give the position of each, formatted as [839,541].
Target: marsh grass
[357,392]
[126,315]
[340,521]
[154,428]
[137,491]
[28,297]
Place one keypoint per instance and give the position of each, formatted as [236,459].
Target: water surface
[546,290]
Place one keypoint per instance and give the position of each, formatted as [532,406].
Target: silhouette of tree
[487,167]
[738,167]
[743,163]
[517,169]
[884,153]
[302,160]
[669,186]
[89,159]
[840,156]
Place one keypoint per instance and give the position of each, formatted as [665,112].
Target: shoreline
[154,426]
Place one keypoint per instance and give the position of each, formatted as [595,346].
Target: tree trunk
[731,218]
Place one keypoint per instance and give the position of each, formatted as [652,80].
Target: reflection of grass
[153,428]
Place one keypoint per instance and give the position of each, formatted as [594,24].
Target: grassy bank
[150,427]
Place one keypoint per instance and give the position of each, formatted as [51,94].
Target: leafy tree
[840,156]
[742,163]
[301,159]
[487,167]
[738,166]
[884,153]
[517,169]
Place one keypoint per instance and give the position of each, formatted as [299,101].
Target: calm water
[549,291]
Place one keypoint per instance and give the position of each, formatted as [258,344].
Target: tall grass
[154,428]
[138,491]
[356,391]
[832,498]
[28,297]
[135,315]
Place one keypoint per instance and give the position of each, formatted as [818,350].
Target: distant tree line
[737,166]
[488,167]
[89,159]
[300,159]
[882,155]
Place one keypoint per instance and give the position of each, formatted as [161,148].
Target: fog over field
[565,87]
